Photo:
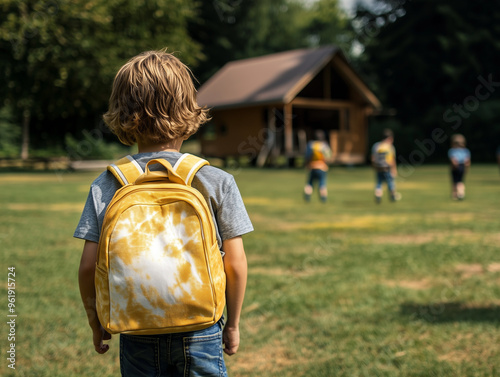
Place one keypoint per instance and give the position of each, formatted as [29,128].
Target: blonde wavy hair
[154,100]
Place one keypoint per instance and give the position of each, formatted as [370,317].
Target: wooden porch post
[287,115]
[25,134]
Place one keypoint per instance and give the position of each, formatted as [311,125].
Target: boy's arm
[394,169]
[467,160]
[235,266]
[328,154]
[86,274]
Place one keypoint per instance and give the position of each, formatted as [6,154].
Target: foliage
[235,29]
[343,289]
[330,25]
[430,60]
[58,58]
[89,147]
[9,135]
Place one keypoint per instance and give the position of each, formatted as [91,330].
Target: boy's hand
[231,340]
[99,335]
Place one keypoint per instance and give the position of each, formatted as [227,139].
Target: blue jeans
[193,354]
[387,177]
[317,175]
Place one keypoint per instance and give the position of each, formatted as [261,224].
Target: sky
[348,5]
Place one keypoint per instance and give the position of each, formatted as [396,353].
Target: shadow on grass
[443,312]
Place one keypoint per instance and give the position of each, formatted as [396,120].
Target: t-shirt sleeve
[327,151]
[88,226]
[232,217]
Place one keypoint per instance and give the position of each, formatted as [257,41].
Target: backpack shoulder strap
[126,170]
[187,166]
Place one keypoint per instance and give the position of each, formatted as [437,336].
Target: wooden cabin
[270,106]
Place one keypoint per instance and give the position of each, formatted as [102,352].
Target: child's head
[154,100]
[319,135]
[387,135]
[458,141]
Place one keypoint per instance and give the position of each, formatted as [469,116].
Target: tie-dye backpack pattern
[159,268]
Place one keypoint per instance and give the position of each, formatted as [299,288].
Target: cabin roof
[275,78]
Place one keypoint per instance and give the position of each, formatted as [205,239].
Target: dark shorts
[457,174]
[317,175]
[385,176]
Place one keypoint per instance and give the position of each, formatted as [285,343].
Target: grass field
[347,288]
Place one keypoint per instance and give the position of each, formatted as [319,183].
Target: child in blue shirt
[459,157]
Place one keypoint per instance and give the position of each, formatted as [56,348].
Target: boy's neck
[170,146]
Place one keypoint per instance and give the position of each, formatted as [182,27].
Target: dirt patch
[76,207]
[456,356]
[27,178]
[474,269]
[455,237]
[469,347]
[417,285]
[493,267]
[469,270]
[453,217]
[406,239]
[268,360]
[340,223]
[351,222]
[264,201]
[278,271]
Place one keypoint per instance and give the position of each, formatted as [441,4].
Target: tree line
[424,59]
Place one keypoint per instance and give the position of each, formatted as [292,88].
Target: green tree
[58,58]
[329,24]
[237,29]
[9,135]
[427,59]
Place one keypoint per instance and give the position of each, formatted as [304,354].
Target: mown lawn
[347,288]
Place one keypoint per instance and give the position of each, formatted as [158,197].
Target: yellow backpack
[317,148]
[159,269]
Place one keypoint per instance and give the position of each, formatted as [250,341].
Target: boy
[384,162]
[459,157]
[318,155]
[153,104]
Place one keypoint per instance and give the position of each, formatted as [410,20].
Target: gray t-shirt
[217,187]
